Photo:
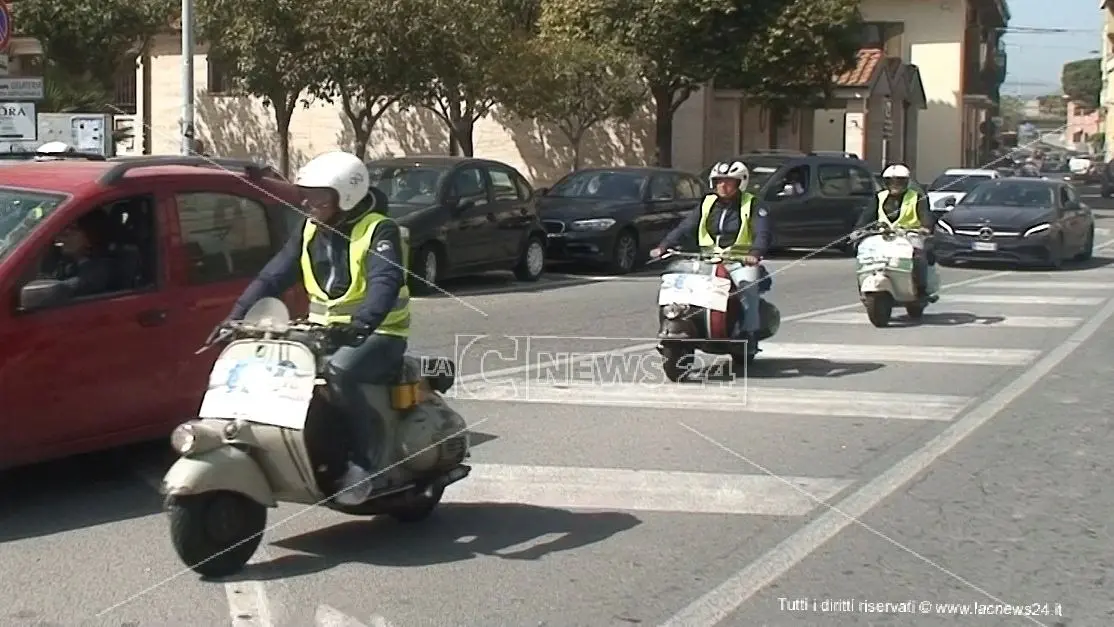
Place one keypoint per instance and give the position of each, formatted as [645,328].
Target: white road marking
[1051,285]
[643,490]
[726,598]
[958,355]
[725,398]
[980,323]
[1010,299]
[247,604]
[327,616]
[502,372]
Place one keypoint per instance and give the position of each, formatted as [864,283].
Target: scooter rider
[351,259]
[904,208]
[730,220]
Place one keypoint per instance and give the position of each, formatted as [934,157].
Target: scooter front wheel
[216,533]
[879,308]
[676,360]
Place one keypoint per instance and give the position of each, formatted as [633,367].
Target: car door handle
[152,317]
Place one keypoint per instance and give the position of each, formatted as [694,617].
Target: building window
[219,78]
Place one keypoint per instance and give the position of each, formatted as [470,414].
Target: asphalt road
[958,461]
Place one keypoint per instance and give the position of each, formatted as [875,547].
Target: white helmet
[729,170]
[897,171]
[341,172]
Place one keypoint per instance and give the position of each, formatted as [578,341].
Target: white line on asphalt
[726,598]
[982,323]
[958,355]
[1021,299]
[1051,285]
[327,616]
[502,372]
[247,604]
[643,490]
[724,398]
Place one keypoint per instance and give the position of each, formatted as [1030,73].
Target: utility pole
[187,77]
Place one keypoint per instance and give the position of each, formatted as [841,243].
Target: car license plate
[986,247]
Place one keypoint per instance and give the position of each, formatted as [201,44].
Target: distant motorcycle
[696,311]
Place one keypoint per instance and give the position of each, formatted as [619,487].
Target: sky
[1035,60]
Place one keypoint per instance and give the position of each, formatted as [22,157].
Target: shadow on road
[806,367]
[455,532]
[79,492]
[954,319]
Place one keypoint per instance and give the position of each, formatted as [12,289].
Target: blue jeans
[377,361]
[746,280]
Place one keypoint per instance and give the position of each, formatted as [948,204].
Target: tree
[680,44]
[1012,110]
[1052,105]
[1082,82]
[797,56]
[362,50]
[575,85]
[263,43]
[88,44]
[470,54]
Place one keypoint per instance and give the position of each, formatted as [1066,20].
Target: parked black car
[1018,220]
[614,216]
[832,193]
[465,216]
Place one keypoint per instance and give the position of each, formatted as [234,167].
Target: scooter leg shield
[875,283]
[226,468]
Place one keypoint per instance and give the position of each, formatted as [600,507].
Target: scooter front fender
[875,283]
[225,468]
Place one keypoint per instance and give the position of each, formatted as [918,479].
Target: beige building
[918,93]
[1107,100]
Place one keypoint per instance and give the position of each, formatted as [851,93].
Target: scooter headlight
[672,312]
[183,439]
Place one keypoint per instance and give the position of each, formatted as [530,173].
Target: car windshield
[1003,194]
[759,174]
[411,185]
[20,212]
[600,184]
[957,182]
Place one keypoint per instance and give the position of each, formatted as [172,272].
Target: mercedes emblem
[985,233]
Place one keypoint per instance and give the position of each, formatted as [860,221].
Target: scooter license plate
[985,247]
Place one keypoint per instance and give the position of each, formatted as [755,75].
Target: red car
[183,237]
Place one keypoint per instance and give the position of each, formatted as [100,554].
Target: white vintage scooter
[885,274]
[267,433]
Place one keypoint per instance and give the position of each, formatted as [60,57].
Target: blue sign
[5,27]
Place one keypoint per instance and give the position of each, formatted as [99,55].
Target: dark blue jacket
[731,222]
[329,256]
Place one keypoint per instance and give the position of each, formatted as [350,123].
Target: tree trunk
[284,112]
[463,130]
[663,125]
[361,124]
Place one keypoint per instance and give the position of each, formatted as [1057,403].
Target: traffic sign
[5,26]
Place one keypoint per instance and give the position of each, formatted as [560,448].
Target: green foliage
[797,56]
[575,85]
[89,43]
[1052,105]
[362,51]
[470,57]
[263,43]
[680,44]
[1082,81]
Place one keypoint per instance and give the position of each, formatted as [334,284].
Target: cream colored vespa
[266,433]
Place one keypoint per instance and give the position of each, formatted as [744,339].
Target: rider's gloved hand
[355,334]
[751,260]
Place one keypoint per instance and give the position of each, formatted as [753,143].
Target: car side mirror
[40,294]
[949,201]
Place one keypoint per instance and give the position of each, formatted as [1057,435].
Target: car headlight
[947,228]
[1036,230]
[183,439]
[595,224]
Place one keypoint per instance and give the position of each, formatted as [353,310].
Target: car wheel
[1088,247]
[624,254]
[1056,255]
[532,264]
[426,270]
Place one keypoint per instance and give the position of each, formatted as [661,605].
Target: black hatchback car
[814,199]
[465,216]
[614,216]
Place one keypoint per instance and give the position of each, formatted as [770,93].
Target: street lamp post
[187,77]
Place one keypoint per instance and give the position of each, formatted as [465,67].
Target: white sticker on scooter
[258,390]
[698,290]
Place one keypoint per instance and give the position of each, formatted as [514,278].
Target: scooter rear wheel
[216,533]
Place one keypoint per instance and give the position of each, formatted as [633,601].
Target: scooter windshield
[270,312]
